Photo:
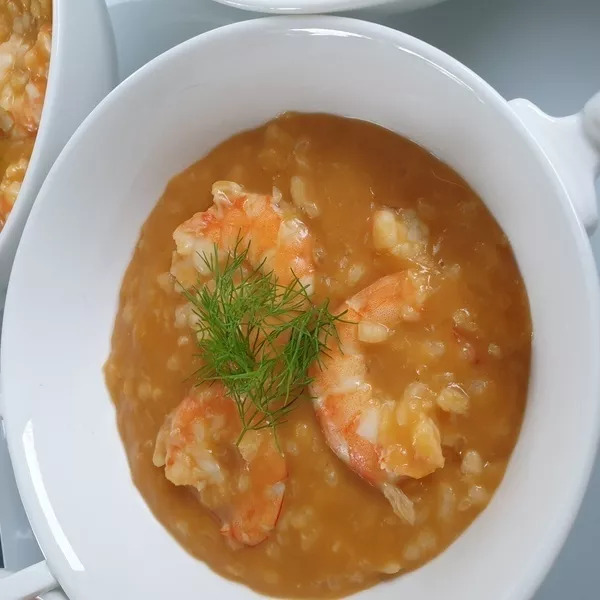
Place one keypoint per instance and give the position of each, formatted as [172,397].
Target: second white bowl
[83,69]
[300,7]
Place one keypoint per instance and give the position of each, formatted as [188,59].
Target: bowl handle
[28,583]
[572,145]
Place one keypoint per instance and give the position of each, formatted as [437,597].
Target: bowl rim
[307,7]
[531,579]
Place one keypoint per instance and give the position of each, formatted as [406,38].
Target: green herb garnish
[258,337]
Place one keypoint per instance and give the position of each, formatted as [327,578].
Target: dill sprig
[258,337]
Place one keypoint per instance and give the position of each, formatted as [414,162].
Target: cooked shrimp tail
[242,484]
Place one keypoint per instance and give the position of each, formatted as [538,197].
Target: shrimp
[382,439]
[243,485]
[402,234]
[277,240]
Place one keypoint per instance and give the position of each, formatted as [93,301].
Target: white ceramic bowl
[99,537]
[82,71]
[328,6]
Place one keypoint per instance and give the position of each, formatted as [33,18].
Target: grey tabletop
[545,50]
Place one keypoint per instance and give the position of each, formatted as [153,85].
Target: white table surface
[545,50]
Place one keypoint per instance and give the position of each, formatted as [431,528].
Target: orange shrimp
[382,439]
[276,238]
[401,233]
[243,485]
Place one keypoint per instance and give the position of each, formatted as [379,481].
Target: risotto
[25,40]
[394,305]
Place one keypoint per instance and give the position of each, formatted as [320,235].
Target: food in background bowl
[325,372]
[25,42]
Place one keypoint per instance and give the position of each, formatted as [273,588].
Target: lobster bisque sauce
[336,534]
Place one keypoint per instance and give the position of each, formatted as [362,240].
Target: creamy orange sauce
[337,534]
[25,39]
